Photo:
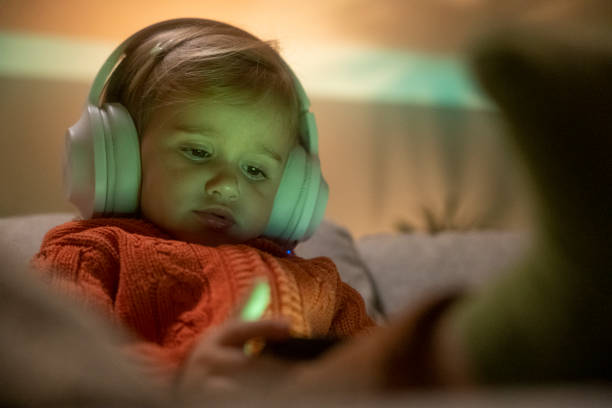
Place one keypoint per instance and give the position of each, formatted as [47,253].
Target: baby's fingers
[236,333]
[213,370]
[219,360]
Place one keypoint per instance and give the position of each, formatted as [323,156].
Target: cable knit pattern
[169,292]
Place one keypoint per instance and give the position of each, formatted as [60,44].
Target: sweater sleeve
[81,263]
[330,306]
[350,317]
[85,265]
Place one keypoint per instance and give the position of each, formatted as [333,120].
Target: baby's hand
[219,359]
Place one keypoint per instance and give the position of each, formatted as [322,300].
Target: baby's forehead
[213,113]
[264,121]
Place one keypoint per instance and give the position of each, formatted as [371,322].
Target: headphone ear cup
[84,171]
[301,199]
[123,160]
[287,196]
[102,162]
[317,195]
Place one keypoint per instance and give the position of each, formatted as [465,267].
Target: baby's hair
[200,59]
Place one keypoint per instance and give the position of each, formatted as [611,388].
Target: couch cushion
[21,236]
[408,267]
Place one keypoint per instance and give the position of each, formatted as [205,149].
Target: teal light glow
[388,76]
[257,302]
[51,57]
[334,71]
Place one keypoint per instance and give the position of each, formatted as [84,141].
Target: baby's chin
[212,238]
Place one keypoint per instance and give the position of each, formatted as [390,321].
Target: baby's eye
[195,153]
[254,173]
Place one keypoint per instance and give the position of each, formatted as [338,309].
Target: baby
[198,135]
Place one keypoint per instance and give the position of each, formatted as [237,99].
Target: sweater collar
[144,227]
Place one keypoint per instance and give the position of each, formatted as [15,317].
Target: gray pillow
[409,267]
[21,236]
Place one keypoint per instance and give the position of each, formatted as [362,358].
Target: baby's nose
[223,186]
[224,193]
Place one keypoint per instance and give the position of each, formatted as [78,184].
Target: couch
[391,271]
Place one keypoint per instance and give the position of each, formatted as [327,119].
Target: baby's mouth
[216,219]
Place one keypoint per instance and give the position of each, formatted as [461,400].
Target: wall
[398,156]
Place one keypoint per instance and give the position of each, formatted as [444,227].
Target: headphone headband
[105,72]
[308,128]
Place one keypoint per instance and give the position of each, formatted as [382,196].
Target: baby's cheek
[158,201]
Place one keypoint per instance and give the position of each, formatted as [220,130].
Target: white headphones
[102,171]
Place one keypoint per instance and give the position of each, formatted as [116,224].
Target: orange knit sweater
[169,292]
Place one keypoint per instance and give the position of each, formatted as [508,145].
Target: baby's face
[210,156]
